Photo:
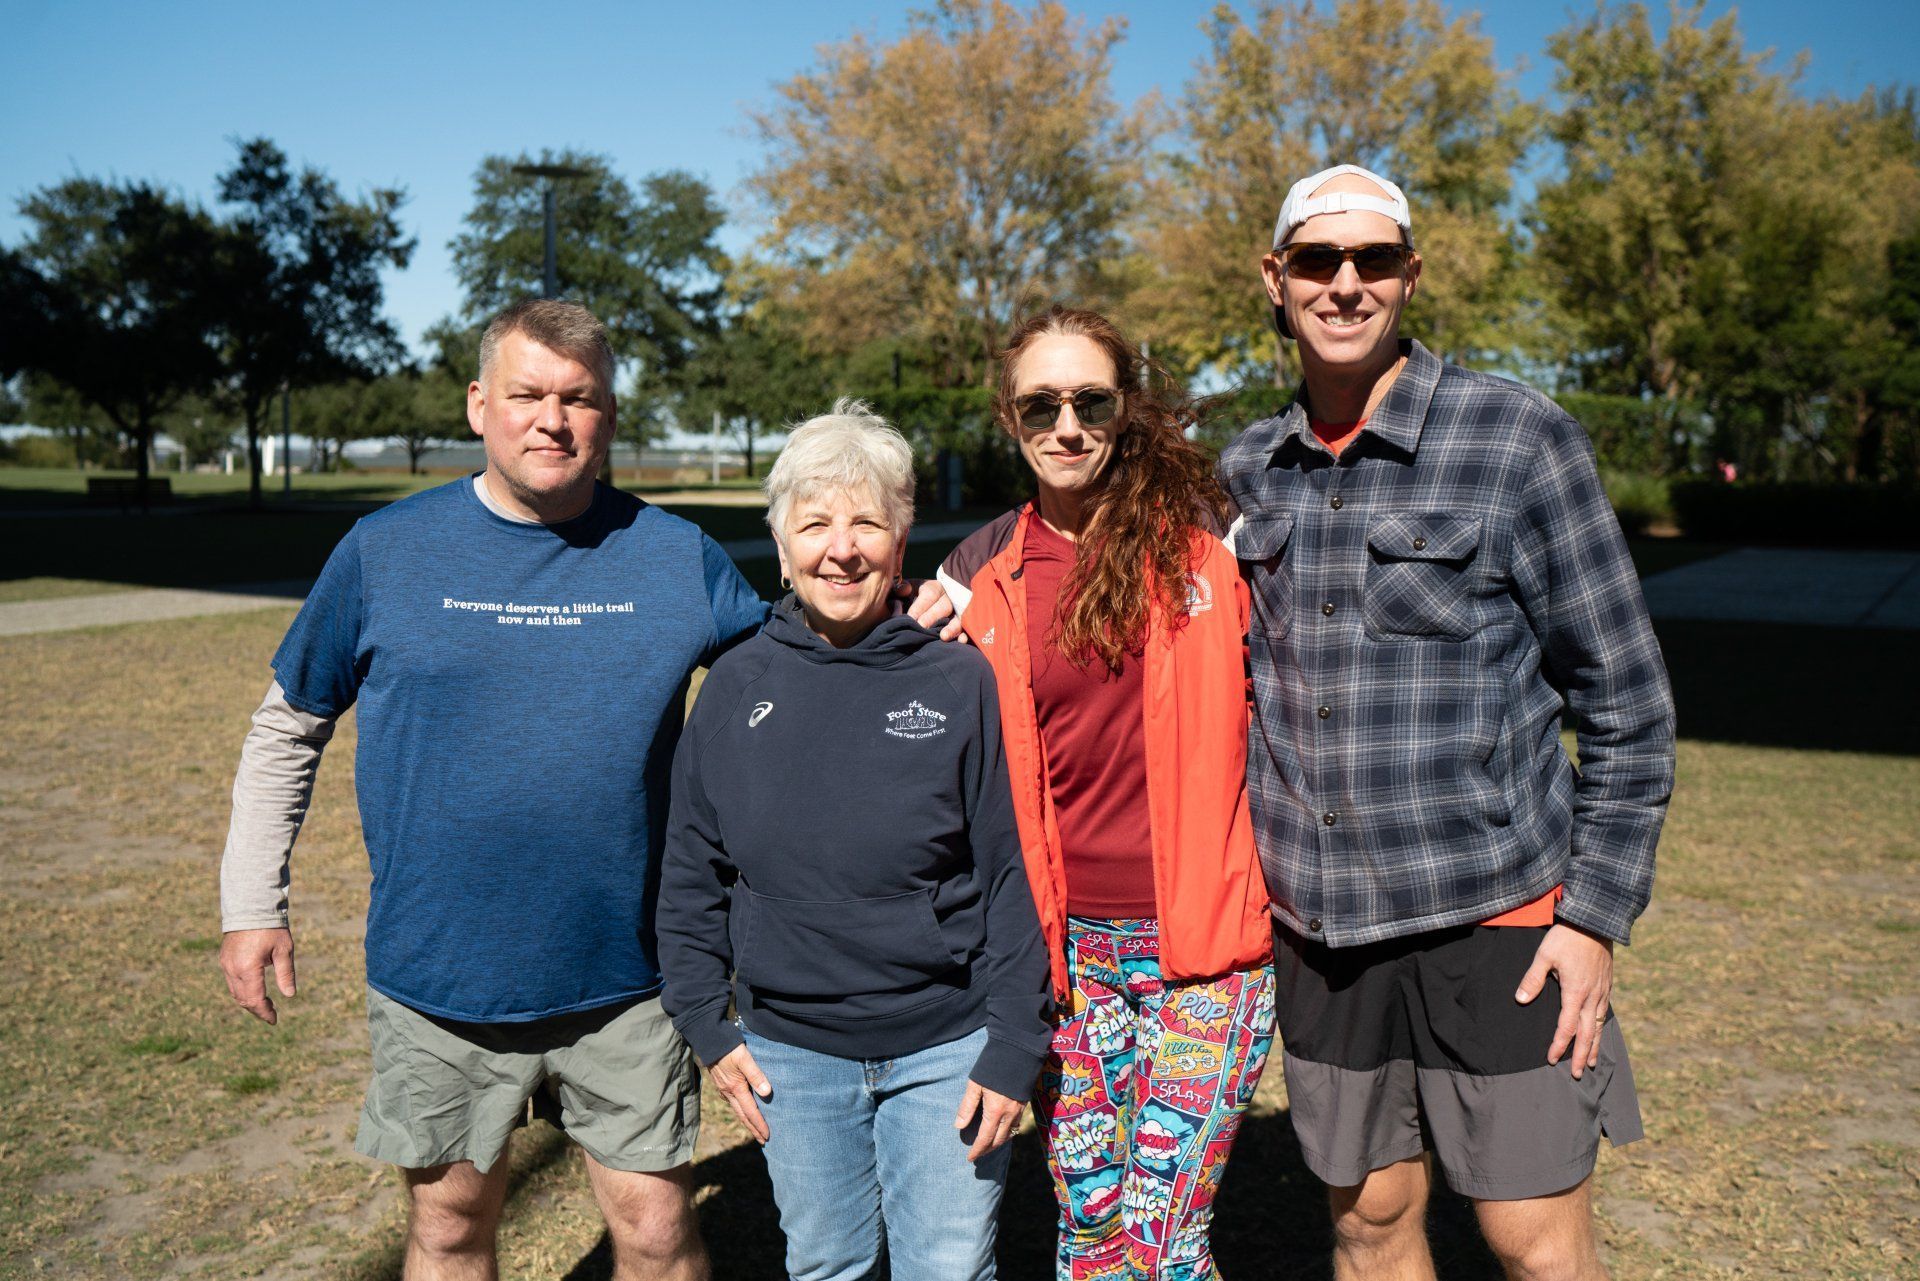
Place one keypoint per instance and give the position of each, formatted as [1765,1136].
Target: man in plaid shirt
[1436,576]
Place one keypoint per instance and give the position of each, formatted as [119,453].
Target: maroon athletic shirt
[1094,729]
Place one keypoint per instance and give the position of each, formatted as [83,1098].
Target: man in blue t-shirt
[519,645]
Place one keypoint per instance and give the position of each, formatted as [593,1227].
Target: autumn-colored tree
[1398,86]
[930,188]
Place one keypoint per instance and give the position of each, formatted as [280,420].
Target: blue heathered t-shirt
[521,690]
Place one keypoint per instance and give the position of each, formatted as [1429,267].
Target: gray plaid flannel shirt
[1423,610]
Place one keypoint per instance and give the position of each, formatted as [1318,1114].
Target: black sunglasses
[1321,263]
[1093,406]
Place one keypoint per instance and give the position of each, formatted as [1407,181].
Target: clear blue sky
[415,93]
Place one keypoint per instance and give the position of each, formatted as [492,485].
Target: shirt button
[1329,818]
[1335,504]
[1327,609]
[1313,926]
[1419,544]
[1325,712]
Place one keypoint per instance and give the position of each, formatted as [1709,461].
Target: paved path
[107,609]
[18,618]
[1784,585]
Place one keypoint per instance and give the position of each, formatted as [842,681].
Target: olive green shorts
[618,1079]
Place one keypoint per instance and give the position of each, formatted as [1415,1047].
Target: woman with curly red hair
[1114,619]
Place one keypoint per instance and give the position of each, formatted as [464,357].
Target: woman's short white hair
[848,449]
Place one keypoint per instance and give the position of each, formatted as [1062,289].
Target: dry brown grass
[148,1128]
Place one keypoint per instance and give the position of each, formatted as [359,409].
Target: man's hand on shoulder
[245,956]
[929,605]
[1584,965]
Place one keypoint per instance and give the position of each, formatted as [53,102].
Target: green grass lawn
[211,539]
[148,1129]
[57,488]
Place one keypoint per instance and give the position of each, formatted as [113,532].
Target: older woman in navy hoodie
[843,863]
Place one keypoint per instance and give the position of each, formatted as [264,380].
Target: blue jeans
[862,1150]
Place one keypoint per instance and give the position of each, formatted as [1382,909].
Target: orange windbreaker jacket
[1207,881]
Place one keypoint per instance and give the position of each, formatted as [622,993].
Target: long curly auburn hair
[1136,546]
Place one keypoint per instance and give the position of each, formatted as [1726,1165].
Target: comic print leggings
[1139,1102]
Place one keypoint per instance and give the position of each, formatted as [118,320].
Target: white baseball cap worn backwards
[1301,204]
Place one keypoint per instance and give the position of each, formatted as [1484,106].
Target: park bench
[124,491]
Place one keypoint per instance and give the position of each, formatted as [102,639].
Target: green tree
[419,411]
[645,260]
[332,416]
[1890,440]
[301,296]
[109,295]
[928,189]
[756,374]
[51,404]
[1877,393]
[1706,238]
[202,426]
[1652,133]
[1398,86]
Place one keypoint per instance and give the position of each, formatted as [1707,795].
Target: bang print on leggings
[1136,1163]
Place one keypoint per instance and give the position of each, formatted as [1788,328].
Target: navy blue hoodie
[842,857]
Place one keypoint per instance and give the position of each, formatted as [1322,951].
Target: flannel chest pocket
[1421,580]
[1261,544]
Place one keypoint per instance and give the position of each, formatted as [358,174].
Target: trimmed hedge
[1630,434]
[1797,514]
[1639,501]
[37,449]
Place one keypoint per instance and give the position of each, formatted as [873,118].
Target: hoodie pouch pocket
[798,947]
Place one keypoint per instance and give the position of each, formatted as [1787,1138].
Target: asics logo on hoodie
[758,714]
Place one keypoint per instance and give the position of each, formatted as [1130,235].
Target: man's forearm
[271,790]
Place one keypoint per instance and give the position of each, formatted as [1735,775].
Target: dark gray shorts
[618,1079]
[1416,1044]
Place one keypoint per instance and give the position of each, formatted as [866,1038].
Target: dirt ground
[150,1129]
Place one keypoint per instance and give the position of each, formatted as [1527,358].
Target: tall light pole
[286,438]
[552,174]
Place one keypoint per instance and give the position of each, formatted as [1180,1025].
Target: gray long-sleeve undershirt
[271,791]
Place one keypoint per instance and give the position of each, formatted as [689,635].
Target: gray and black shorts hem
[1416,1045]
